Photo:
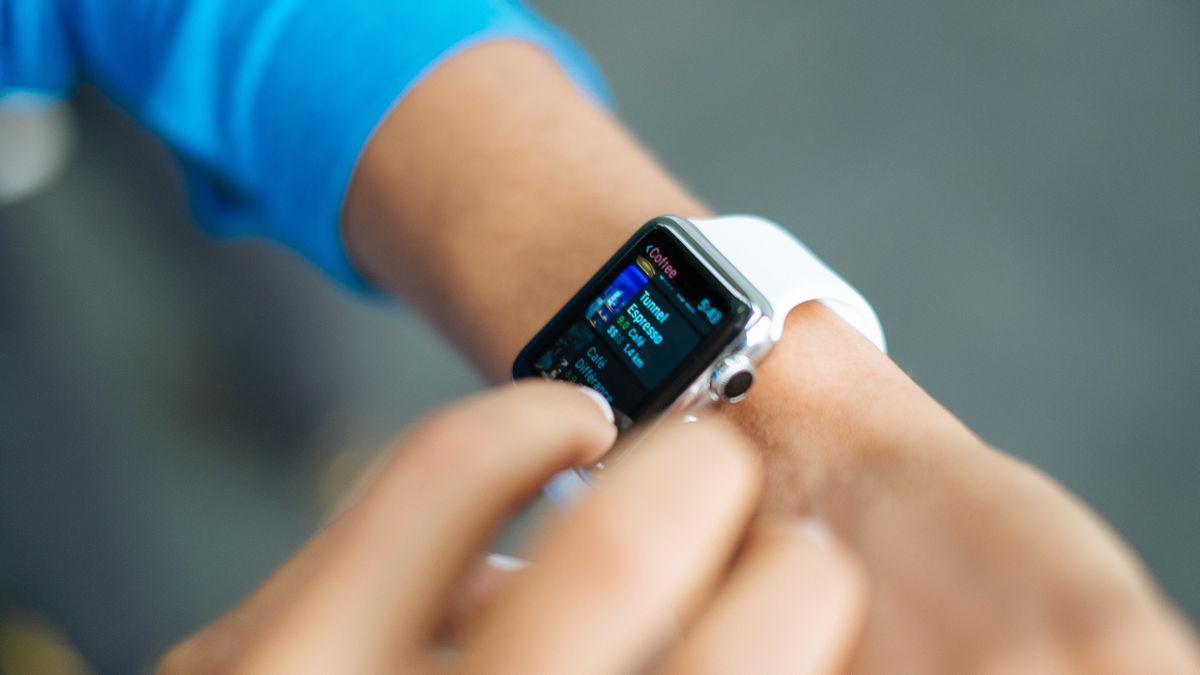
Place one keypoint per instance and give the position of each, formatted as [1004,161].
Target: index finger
[373,584]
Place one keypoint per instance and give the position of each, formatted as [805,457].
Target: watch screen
[642,330]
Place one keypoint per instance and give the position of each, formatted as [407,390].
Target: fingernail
[600,401]
[815,531]
[506,563]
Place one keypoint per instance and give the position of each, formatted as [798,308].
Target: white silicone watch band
[787,273]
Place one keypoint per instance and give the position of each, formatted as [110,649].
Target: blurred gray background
[1016,186]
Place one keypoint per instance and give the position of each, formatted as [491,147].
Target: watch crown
[733,378]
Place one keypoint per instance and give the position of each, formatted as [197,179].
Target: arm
[513,190]
[267,104]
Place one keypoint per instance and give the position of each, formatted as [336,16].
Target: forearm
[513,189]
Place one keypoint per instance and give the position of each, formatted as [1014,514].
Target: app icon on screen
[616,296]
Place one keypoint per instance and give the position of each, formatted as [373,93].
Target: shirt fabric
[266,103]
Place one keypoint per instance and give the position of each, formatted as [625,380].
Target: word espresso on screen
[648,315]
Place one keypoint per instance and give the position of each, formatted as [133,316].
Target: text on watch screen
[652,313]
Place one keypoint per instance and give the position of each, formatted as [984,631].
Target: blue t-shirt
[267,103]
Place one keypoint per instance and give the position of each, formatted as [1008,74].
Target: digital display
[642,330]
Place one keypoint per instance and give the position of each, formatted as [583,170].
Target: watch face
[642,330]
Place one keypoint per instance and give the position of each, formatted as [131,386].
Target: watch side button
[731,381]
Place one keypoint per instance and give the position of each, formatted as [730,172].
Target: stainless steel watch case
[745,351]
[754,341]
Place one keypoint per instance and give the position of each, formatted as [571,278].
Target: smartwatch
[680,315]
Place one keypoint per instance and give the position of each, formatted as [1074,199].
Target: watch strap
[787,273]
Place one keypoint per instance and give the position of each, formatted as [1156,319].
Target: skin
[486,217]
[370,592]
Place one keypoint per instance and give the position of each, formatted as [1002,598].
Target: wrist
[829,407]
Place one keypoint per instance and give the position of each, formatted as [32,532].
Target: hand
[977,563]
[487,216]
[665,543]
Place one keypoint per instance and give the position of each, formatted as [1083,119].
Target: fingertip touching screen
[642,330]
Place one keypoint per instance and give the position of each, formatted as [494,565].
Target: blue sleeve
[267,103]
